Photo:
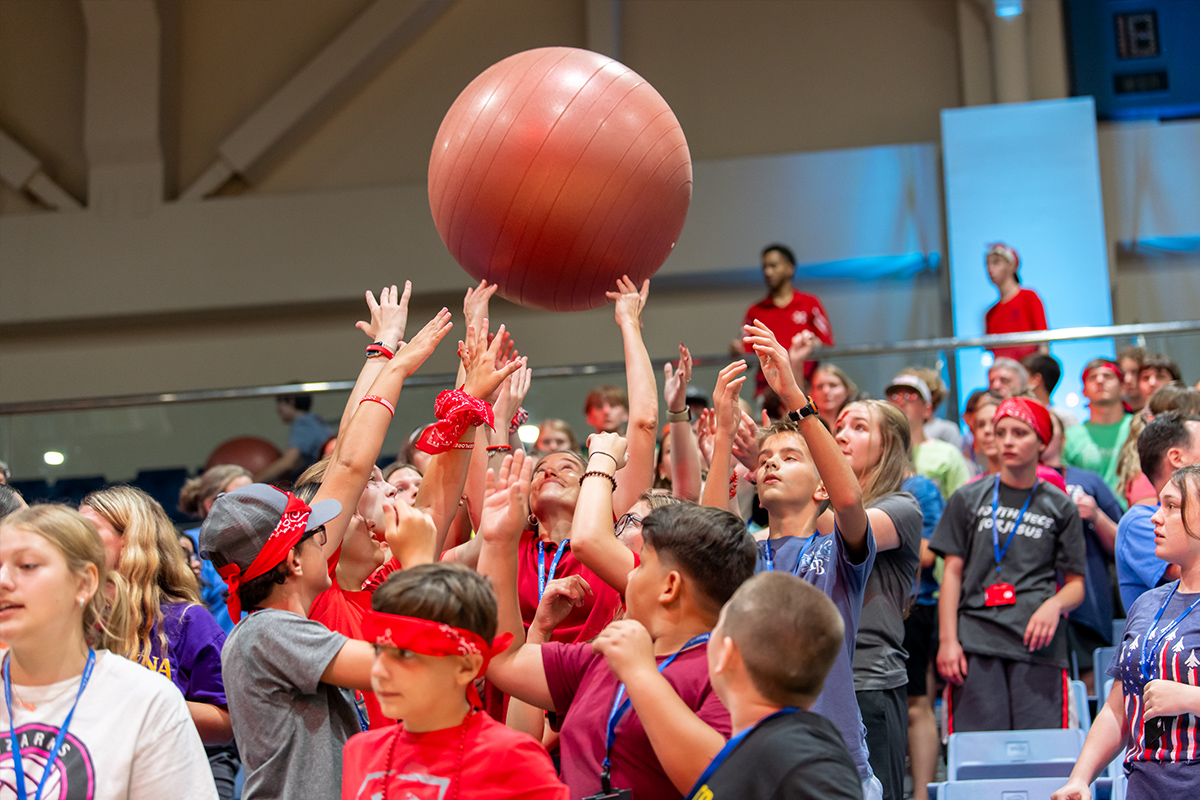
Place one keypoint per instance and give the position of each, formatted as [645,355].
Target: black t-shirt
[797,755]
[1049,539]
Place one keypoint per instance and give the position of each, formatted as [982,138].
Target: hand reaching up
[630,301]
[775,364]
[726,408]
[802,346]
[506,500]
[510,396]
[389,316]
[676,381]
[745,443]
[483,362]
[610,444]
[410,533]
[475,303]
[706,435]
[414,353]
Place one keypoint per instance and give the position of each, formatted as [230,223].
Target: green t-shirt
[941,463]
[1097,448]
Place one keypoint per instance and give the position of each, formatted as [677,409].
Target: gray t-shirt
[879,656]
[290,727]
[1048,541]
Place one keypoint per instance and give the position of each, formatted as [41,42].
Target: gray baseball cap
[241,521]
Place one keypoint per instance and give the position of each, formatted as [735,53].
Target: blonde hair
[207,487]
[895,456]
[107,614]
[152,561]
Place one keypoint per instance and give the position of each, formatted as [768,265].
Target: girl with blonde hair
[61,613]
[171,634]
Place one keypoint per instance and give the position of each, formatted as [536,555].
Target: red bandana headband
[1113,368]
[430,638]
[1031,412]
[456,411]
[287,534]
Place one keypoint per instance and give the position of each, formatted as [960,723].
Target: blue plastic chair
[1002,789]
[986,755]
[1119,785]
[1118,630]
[1079,697]
[1101,658]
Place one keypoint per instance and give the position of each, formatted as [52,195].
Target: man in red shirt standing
[797,319]
[1019,310]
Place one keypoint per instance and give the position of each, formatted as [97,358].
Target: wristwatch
[806,410]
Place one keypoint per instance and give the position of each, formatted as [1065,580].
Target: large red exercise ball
[556,172]
[251,452]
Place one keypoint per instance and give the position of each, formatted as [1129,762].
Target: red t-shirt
[583,690]
[803,313]
[496,762]
[1022,313]
[342,611]
[584,622]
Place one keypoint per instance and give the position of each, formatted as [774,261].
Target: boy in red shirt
[432,627]
[1019,310]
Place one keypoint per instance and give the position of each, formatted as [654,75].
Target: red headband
[1031,412]
[1113,368]
[455,411]
[430,638]
[287,534]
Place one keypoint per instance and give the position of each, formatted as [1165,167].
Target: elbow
[847,499]
[644,422]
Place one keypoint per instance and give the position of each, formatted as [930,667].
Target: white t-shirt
[131,738]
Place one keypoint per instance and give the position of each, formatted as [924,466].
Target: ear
[468,669]
[1175,458]
[726,650]
[293,563]
[672,587]
[208,504]
[821,495]
[89,582]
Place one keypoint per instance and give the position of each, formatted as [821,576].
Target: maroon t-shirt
[583,623]
[583,690]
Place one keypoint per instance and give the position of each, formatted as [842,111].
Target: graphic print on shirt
[1177,658]
[816,560]
[412,786]
[1033,526]
[73,776]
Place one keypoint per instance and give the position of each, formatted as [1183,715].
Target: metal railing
[948,344]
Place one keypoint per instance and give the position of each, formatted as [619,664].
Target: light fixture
[53,458]
[1072,400]
[987,359]
[528,433]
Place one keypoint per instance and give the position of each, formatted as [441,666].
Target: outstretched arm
[642,430]
[518,670]
[592,539]
[725,407]
[389,318]
[356,450]
[685,452]
[845,495]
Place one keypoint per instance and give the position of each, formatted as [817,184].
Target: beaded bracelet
[374,398]
[597,473]
[733,485]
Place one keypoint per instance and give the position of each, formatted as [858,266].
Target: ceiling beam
[329,79]
[22,171]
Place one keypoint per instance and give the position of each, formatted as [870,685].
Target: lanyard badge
[1003,594]
[622,704]
[769,555]
[543,578]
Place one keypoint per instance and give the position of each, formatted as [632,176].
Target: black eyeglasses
[315,533]
[627,520]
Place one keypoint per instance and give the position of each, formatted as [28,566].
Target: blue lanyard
[621,704]
[770,556]
[996,549]
[18,768]
[542,576]
[733,742]
[1145,661]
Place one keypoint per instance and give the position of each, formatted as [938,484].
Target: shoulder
[1152,599]
[1136,517]
[369,741]
[898,506]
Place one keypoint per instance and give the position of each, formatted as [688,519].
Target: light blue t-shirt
[824,562]
[1138,569]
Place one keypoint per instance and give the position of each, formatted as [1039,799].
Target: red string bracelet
[374,398]
[379,348]
[507,448]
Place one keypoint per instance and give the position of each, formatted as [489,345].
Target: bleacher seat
[985,755]
[34,490]
[1119,785]
[1118,629]
[1079,699]
[1001,789]
[72,490]
[1101,658]
[164,485]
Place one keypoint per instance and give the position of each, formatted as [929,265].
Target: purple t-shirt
[193,661]
[583,689]
[822,560]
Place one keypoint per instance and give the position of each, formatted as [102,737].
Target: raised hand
[475,303]
[706,434]
[389,316]
[610,444]
[510,395]
[630,301]
[484,368]
[506,499]
[745,443]
[410,533]
[802,346]
[413,354]
[676,381]
[775,364]
[562,595]
[725,398]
